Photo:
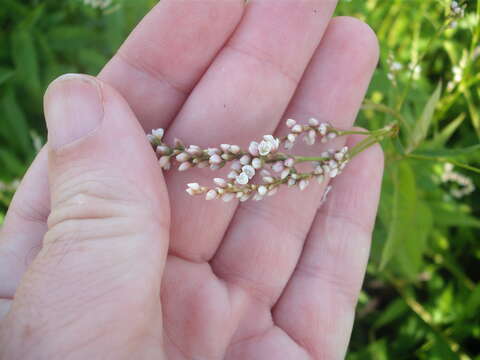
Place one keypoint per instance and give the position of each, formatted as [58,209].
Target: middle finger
[241,97]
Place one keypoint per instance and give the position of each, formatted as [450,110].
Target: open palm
[274,279]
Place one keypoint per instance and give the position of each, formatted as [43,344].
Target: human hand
[276,279]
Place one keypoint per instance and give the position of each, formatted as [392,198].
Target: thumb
[107,239]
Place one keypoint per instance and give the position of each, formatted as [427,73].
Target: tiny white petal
[236,165]
[297,129]
[245,159]
[244,197]
[291,182]
[323,129]
[290,123]
[284,173]
[332,135]
[253,148]
[212,151]
[164,161]
[242,179]
[214,166]
[215,159]
[220,182]
[333,173]
[332,164]
[228,197]
[190,191]
[211,194]
[225,147]
[162,150]
[289,162]
[303,184]
[182,157]
[278,166]
[294,176]
[234,149]
[194,186]
[184,166]
[262,190]
[265,172]
[291,137]
[249,171]
[257,163]
[264,148]
[268,179]
[288,145]
[273,191]
[313,122]
[257,197]
[158,133]
[232,175]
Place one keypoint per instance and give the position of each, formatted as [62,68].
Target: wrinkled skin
[103,256]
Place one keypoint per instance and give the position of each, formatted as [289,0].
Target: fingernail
[73,109]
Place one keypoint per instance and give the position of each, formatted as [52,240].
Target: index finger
[167,53]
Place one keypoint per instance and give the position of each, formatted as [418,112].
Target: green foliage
[421,297]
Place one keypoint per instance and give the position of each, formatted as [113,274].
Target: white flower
[275,142]
[228,196]
[257,163]
[194,186]
[268,179]
[284,173]
[322,128]
[215,159]
[313,122]
[232,175]
[245,159]
[225,147]
[212,151]
[182,157]
[242,179]
[297,129]
[236,165]
[303,184]
[194,150]
[190,191]
[211,194]
[291,137]
[253,148]
[164,161]
[249,171]
[262,190]
[278,166]
[220,182]
[234,149]
[264,148]
[184,166]
[290,123]
[289,162]
[158,133]
[162,150]
[333,173]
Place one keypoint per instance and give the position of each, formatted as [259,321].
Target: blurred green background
[421,297]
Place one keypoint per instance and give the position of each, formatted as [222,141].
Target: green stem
[440,159]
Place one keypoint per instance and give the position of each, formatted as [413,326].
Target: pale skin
[104,257]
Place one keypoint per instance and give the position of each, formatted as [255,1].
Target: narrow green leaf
[403,209]
[448,131]
[449,153]
[420,130]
